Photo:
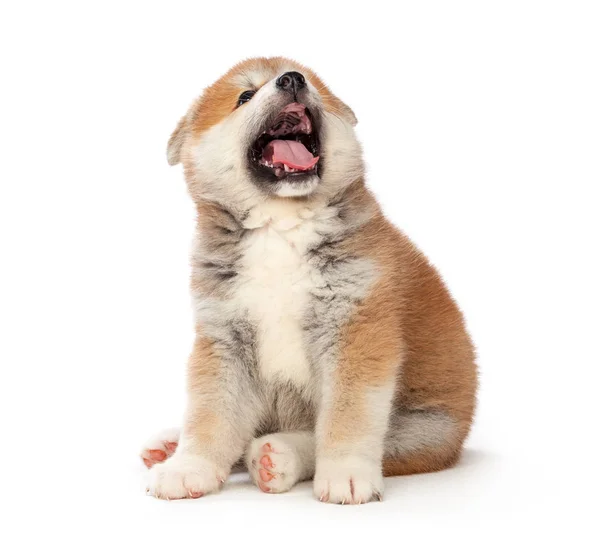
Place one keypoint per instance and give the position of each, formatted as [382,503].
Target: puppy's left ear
[176,142]
[348,113]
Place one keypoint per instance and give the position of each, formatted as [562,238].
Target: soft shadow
[472,473]
[475,458]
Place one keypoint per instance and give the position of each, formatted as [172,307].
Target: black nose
[291,81]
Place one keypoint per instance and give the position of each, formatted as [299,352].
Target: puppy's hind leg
[276,462]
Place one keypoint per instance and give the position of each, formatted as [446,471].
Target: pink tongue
[291,153]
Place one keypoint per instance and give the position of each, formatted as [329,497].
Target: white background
[481,127]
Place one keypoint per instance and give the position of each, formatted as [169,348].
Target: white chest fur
[273,287]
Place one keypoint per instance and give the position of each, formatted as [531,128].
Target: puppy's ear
[176,142]
[349,113]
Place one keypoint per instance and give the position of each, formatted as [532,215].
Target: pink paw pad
[152,456]
[266,471]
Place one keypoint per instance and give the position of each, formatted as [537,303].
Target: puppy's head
[268,127]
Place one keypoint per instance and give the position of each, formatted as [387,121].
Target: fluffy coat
[327,347]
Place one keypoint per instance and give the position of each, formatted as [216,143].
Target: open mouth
[290,146]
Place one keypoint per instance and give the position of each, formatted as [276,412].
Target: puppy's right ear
[176,142]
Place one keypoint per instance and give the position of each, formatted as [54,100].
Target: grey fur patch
[346,280]
[214,261]
[286,409]
[413,430]
[234,336]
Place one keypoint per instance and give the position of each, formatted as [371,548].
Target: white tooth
[287,169]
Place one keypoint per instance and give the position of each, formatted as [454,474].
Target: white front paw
[184,476]
[350,480]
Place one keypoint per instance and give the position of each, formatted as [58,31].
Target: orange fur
[203,366]
[437,368]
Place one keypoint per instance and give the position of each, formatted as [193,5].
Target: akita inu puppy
[327,347]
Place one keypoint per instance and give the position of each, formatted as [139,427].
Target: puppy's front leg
[356,399]
[220,421]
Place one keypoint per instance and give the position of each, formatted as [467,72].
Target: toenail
[171,446]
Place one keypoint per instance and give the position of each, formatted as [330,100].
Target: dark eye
[245,97]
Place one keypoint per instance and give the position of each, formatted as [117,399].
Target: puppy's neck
[283,214]
[350,208]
